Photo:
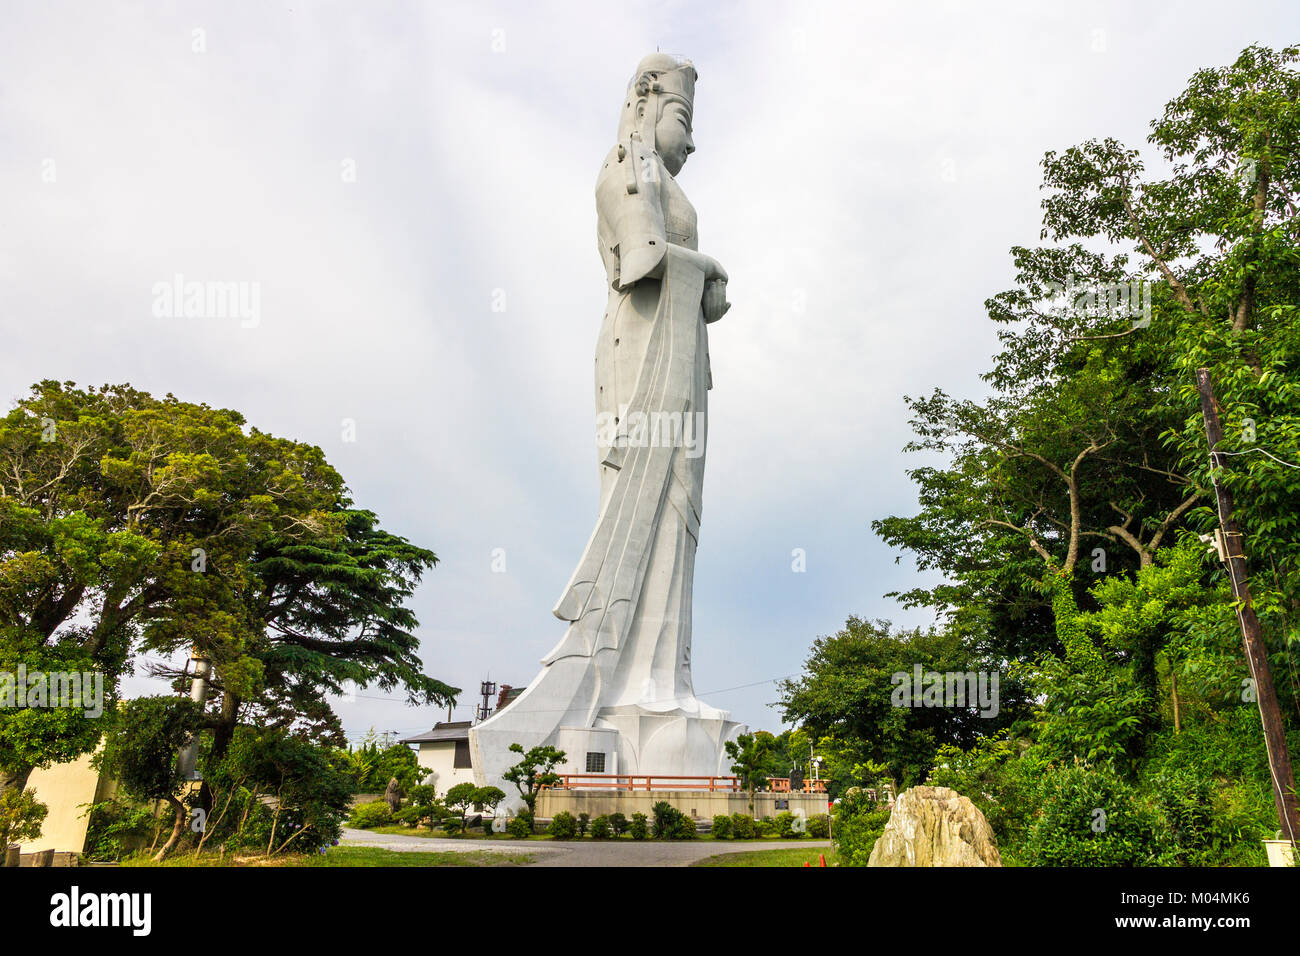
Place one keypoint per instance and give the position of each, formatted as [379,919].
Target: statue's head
[659,106]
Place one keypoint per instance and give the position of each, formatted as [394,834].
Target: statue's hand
[715,302]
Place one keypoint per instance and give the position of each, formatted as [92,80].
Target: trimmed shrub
[366,816]
[819,826]
[619,823]
[600,828]
[520,827]
[563,826]
[786,827]
[584,821]
[638,827]
[743,826]
[686,828]
[721,827]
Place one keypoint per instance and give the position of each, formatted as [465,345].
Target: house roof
[450,731]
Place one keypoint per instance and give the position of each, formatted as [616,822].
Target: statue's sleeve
[629,202]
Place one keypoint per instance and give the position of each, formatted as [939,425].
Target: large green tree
[129,523]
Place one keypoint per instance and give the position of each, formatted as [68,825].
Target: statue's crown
[665,73]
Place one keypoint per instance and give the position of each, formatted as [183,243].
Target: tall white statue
[615,694]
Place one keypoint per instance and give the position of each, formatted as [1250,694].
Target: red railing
[656,781]
[643,781]
[782,785]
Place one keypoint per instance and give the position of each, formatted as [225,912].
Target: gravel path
[579,852]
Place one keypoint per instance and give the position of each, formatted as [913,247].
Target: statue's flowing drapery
[620,678]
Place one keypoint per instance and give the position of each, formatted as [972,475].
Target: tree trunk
[178,829]
[14,779]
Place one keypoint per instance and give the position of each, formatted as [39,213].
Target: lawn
[348,856]
[797,856]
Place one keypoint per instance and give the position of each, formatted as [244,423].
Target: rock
[935,826]
[393,795]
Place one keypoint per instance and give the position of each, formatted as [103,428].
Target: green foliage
[563,826]
[619,822]
[721,829]
[141,748]
[859,822]
[1089,816]
[743,826]
[520,826]
[685,828]
[534,771]
[750,755]
[784,825]
[367,816]
[116,828]
[459,799]
[666,819]
[311,796]
[21,816]
[846,694]
[819,826]
[584,821]
[637,828]
[131,523]
[601,829]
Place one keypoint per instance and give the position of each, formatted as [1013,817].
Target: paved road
[579,852]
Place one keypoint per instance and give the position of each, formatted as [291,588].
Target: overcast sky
[387,172]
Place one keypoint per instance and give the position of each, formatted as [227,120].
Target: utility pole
[199,694]
[487,689]
[1279,760]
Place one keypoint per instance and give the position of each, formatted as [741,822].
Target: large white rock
[935,826]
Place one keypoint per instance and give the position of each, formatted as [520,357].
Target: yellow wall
[64,788]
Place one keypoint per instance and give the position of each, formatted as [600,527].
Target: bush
[743,826]
[563,826]
[1091,817]
[685,828]
[819,826]
[600,828]
[619,823]
[410,816]
[520,827]
[638,827]
[366,816]
[666,817]
[721,827]
[117,829]
[765,827]
[786,826]
[858,825]
[451,825]
[584,821]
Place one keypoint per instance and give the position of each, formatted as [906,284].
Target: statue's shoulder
[629,169]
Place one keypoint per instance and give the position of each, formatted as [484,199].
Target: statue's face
[673,135]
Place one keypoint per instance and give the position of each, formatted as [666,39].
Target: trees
[534,771]
[750,753]
[845,694]
[141,753]
[129,522]
[460,798]
[1064,512]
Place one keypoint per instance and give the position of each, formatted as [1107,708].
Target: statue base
[684,739]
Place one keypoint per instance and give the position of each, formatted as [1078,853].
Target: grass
[346,856]
[797,856]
